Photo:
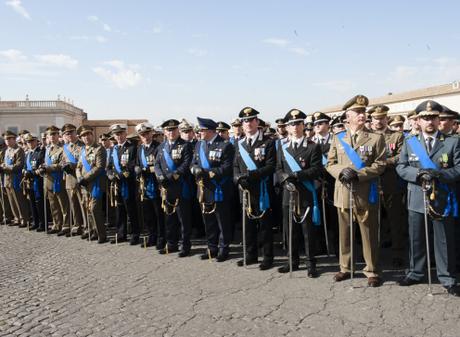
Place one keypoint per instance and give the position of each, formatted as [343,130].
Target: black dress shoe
[40,229]
[266,264]
[205,255]
[312,272]
[452,290]
[134,240]
[407,281]
[374,281]
[102,240]
[184,253]
[62,233]
[22,225]
[34,227]
[168,250]
[249,261]
[341,276]
[93,237]
[53,231]
[84,236]
[285,269]
[119,240]
[221,257]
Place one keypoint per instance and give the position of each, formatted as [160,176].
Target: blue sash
[427,163]
[36,182]
[186,192]
[264,198]
[116,164]
[232,140]
[150,184]
[359,164]
[324,160]
[295,167]
[218,192]
[16,176]
[96,191]
[57,176]
[70,157]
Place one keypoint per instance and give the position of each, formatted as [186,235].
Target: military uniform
[121,174]
[391,188]
[299,163]
[149,194]
[34,183]
[172,169]
[444,154]
[12,166]
[5,208]
[55,190]
[212,166]
[90,174]
[256,178]
[370,148]
[71,153]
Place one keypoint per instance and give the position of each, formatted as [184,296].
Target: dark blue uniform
[177,191]
[34,158]
[216,194]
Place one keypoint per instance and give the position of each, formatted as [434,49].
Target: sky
[181,59]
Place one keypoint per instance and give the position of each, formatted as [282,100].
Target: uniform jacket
[220,154]
[95,154]
[308,156]
[371,149]
[16,154]
[445,154]
[389,181]
[181,153]
[150,153]
[70,177]
[55,153]
[263,154]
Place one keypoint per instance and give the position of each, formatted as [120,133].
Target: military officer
[90,173]
[12,166]
[356,159]
[148,187]
[34,158]
[431,160]
[323,137]
[172,169]
[6,214]
[337,124]
[447,120]
[309,129]
[299,163]
[212,167]
[71,150]
[253,169]
[413,121]
[396,123]
[394,227]
[223,129]
[237,131]
[122,177]
[186,131]
[53,176]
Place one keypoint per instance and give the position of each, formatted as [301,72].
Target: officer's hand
[348,175]
[243,182]
[152,169]
[293,176]
[41,170]
[28,174]
[126,174]
[254,175]
[83,182]
[137,171]
[197,171]
[67,168]
[426,178]
[163,181]
[434,173]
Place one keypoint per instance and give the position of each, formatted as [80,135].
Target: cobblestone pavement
[52,286]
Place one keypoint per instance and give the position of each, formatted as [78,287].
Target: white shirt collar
[253,137]
[213,139]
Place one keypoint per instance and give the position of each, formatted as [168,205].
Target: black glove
[28,174]
[253,175]
[348,175]
[427,175]
[197,171]
[243,181]
[67,168]
[83,182]
[292,177]
[137,171]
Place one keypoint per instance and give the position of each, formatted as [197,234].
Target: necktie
[296,146]
[250,141]
[322,141]
[429,144]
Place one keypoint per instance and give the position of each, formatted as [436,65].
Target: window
[12,128]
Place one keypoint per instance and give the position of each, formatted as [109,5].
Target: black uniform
[34,183]
[262,153]
[215,192]
[175,181]
[126,189]
[197,219]
[307,154]
[151,202]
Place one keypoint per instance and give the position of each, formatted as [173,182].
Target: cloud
[16,5]
[336,85]
[424,72]
[276,42]
[197,52]
[287,45]
[58,60]
[97,38]
[119,74]
[14,62]
[13,55]
[157,29]
[106,27]
[93,18]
